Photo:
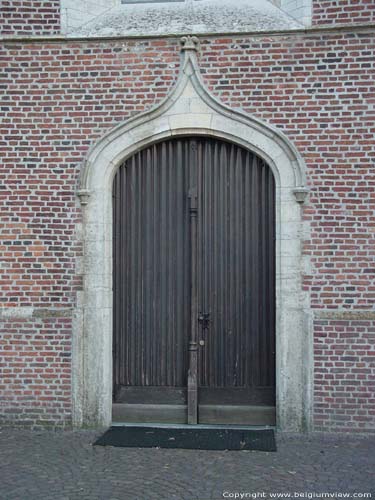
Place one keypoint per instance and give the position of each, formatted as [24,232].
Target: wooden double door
[194,285]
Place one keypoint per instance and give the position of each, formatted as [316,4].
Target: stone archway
[190,110]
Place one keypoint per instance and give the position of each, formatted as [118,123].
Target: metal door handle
[204,320]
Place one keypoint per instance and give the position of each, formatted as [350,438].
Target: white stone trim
[189,109]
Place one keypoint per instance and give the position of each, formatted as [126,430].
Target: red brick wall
[342,11]
[317,88]
[35,366]
[29,17]
[344,375]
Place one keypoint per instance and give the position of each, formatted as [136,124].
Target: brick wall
[58,98]
[344,375]
[35,366]
[29,17]
[343,11]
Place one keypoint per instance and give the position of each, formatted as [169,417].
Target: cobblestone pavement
[64,465]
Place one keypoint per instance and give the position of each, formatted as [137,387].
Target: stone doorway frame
[190,109]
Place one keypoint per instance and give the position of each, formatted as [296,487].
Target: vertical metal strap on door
[193,342]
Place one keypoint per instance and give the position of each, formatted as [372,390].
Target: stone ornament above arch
[190,109]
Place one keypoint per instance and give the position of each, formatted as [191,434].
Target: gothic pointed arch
[190,109]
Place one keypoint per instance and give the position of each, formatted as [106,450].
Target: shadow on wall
[298,9]
[75,13]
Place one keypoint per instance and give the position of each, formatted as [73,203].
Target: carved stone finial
[84,196]
[189,43]
[301,194]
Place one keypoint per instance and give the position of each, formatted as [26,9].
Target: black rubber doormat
[185,437]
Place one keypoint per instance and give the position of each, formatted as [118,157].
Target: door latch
[204,320]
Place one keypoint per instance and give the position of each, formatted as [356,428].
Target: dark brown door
[235,290]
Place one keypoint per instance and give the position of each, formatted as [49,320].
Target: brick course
[29,17]
[59,98]
[342,11]
[344,355]
[35,367]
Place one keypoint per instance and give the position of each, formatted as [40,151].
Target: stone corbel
[301,194]
[83,195]
[189,43]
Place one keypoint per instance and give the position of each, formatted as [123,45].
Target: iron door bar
[192,399]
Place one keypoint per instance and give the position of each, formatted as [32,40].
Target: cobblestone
[65,466]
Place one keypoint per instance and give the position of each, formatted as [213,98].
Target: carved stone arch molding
[190,109]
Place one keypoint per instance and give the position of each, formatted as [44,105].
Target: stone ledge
[10,313]
[340,315]
[258,34]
